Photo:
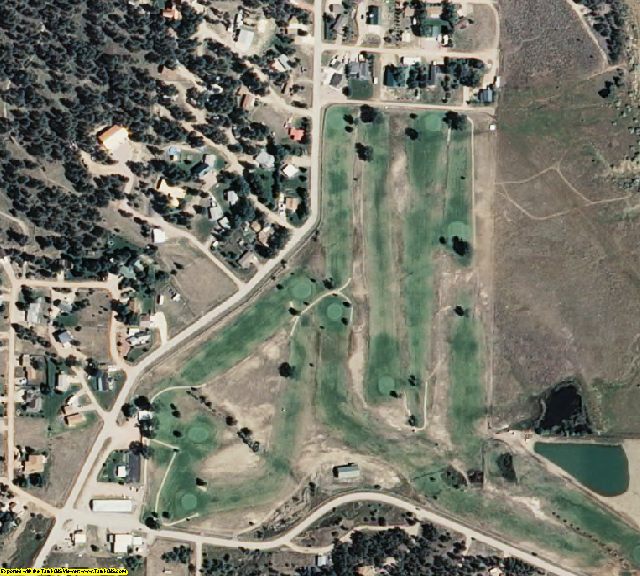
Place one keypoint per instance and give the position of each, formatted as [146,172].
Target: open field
[92,324]
[200,283]
[67,450]
[156,565]
[564,229]
[22,551]
[481,34]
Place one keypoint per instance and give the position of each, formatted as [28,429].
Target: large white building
[112,505]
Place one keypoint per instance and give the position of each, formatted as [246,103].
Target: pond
[563,412]
[602,468]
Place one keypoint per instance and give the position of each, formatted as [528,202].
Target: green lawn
[466,390]
[256,324]
[108,471]
[193,431]
[459,184]
[384,361]
[30,541]
[426,157]
[360,89]
[337,175]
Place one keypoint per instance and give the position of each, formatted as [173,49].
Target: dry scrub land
[566,289]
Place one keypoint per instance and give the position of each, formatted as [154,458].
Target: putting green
[636,555]
[386,384]
[302,289]
[434,123]
[459,229]
[189,502]
[198,434]
[334,311]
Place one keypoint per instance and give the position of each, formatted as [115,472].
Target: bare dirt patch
[482,33]
[67,453]
[200,283]
[156,565]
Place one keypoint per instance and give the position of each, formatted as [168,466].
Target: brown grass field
[565,289]
[200,283]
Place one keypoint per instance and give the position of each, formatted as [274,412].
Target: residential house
[247,102]
[32,402]
[34,464]
[35,312]
[373,15]
[124,543]
[296,134]
[295,27]
[290,171]
[292,203]
[73,420]
[336,80]
[215,211]
[245,39]
[102,381]
[247,260]
[135,468]
[231,197]
[266,160]
[64,337]
[159,236]
[114,137]
[206,165]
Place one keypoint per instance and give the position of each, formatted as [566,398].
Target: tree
[455,120]
[286,370]
[364,152]
[411,133]
[368,114]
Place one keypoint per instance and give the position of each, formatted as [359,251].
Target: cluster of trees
[65,81]
[455,120]
[178,555]
[464,71]
[608,21]
[63,78]
[504,461]
[434,552]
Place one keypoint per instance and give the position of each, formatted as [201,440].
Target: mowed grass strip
[426,159]
[236,341]
[457,218]
[467,401]
[384,361]
[337,179]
